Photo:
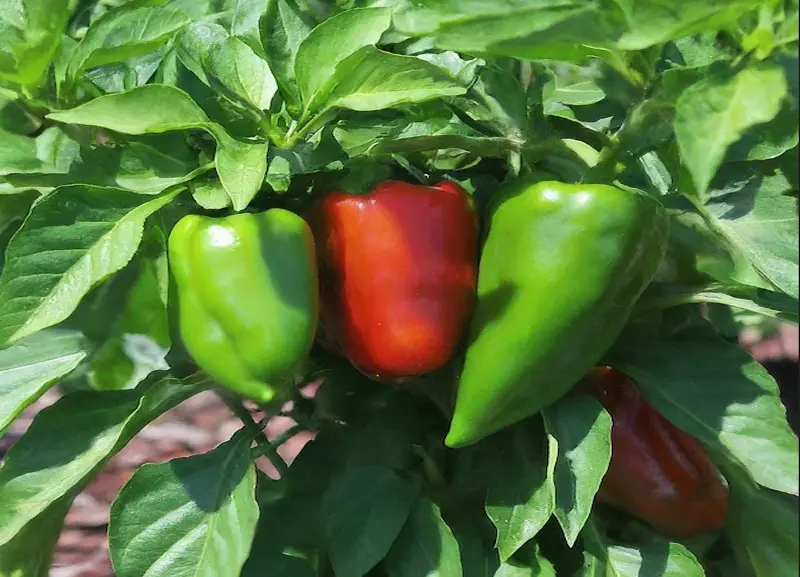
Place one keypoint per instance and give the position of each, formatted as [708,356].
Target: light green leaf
[371,79]
[521,496]
[156,108]
[714,113]
[758,217]
[244,73]
[73,239]
[30,32]
[46,467]
[29,367]
[198,513]
[283,28]
[652,22]
[581,429]
[718,394]
[605,558]
[245,22]
[140,338]
[333,41]
[210,194]
[123,35]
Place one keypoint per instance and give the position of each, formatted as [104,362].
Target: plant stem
[257,430]
[245,417]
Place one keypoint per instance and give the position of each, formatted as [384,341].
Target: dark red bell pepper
[398,270]
[657,472]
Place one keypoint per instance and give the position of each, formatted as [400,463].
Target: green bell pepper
[561,268]
[247,298]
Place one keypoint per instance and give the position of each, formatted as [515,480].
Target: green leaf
[243,72]
[199,514]
[714,113]
[196,42]
[226,63]
[758,217]
[604,557]
[145,110]
[125,34]
[210,194]
[364,511]
[15,118]
[425,546]
[652,22]
[752,299]
[121,76]
[245,23]
[331,42]
[769,140]
[581,429]
[30,32]
[31,551]
[497,100]
[140,338]
[31,366]
[73,239]
[718,394]
[518,28]
[46,467]
[283,29]
[371,79]
[521,496]
[288,536]
[477,559]
[763,527]
[51,152]
[156,108]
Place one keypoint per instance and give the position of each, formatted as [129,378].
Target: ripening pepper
[397,272]
[657,472]
[248,298]
[561,268]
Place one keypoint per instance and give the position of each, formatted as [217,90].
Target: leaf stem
[245,417]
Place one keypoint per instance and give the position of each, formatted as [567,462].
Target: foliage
[119,117]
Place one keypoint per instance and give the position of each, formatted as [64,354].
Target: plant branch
[246,418]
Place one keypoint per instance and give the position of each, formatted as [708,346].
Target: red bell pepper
[398,270]
[657,472]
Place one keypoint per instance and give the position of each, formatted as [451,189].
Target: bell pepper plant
[512,244]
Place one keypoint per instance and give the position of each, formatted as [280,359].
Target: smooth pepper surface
[248,297]
[398,273]
[657,472]
[561,268]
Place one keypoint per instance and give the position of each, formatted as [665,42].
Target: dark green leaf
[365,509]
[425,547]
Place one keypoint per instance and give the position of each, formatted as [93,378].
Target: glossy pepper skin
[561,268]
[248,297]
[657,472]
[398,273]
